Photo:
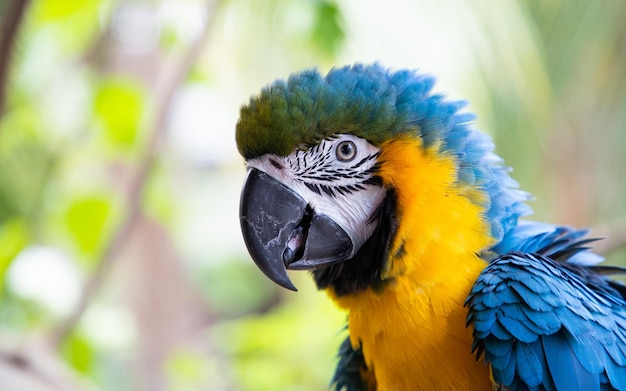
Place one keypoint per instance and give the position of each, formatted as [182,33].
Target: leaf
[58,10]
[86,220]
[119,107]
[79,353]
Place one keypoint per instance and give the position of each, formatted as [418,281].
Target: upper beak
[282,232]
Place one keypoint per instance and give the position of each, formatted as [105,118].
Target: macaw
[409,221]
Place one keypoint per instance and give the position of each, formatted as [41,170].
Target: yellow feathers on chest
[413,333]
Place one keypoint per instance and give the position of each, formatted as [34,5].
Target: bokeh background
[121,262]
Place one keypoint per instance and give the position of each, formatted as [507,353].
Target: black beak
[282,232]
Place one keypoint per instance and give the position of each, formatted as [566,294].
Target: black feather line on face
[313,187]
[316,169]
[364,269]
[316,165]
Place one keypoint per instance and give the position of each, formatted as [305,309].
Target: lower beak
[282,232]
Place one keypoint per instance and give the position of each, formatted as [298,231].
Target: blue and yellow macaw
[409,221]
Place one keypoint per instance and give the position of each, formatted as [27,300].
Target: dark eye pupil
[346,151]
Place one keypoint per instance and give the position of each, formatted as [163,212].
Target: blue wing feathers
[547,382]
[616,353]
[544,319]
[516,329]
[556,242]
[507,373]
[565,369]
[501,349]
[588,350]
[485,318]
[500,331]
[528,365]
[528,296]
[536,285]
[617,376]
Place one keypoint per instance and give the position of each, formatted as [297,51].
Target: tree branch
[166,87]
[9,26]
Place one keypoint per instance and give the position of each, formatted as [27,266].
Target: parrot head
[332,172]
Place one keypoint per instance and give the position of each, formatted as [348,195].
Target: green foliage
[190,370]
[119,105]
[558,107]
[327,33]
[74,23]
[74,104]
[13,237]
[86,220]
[79,352]
[25,165]
[233,289]
[294,347]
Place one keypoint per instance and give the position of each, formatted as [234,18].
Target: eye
[345,151]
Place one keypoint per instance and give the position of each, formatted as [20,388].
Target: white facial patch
[336,178]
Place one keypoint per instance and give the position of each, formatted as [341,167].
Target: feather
[617,376]
[590,353]
[347,376]
[517,329]
[500,349]
[528,365]
[566,331]
[615,353]
[566,371]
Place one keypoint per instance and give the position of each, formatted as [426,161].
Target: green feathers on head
[360,100]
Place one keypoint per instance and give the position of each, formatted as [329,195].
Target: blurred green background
[121,262]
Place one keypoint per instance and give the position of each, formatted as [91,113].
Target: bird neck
[413,332]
